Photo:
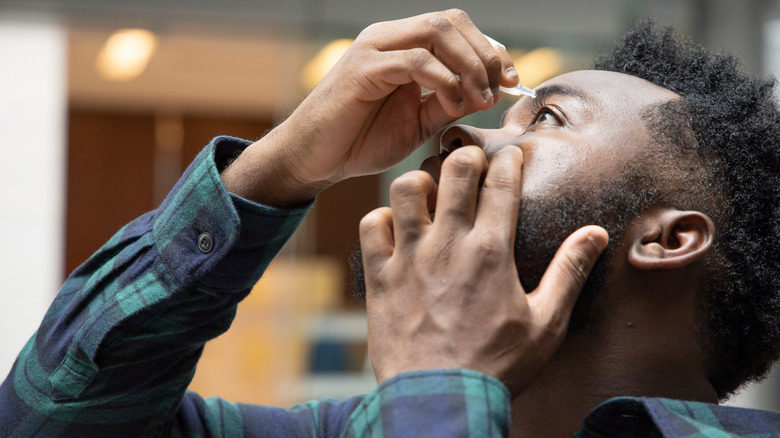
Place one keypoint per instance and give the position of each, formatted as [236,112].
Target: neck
[643,356]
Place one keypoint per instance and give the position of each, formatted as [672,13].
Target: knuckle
[371,221]
[370,29]
[439,23]
[464,158]
[461,166]
[408,184]
[577,268]
[493,62]
[368,32]
[417,57]
[490,253]
[490,250]
[502,181]
[452,82]
[476,64]
[458,15]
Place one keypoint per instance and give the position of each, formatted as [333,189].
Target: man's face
[581,128]
[581,138]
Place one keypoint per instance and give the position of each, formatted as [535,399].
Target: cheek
[547,172]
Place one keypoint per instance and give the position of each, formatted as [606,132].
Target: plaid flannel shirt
[118,347]
[119,344]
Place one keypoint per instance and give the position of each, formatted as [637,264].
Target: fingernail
[598,240]
[487,95]
[510,73]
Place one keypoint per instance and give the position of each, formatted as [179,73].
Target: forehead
[603,128]
[606,92]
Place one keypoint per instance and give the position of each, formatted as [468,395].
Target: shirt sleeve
[118,347]
[431,404]
[119,344]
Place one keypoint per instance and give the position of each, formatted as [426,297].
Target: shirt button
[205,243]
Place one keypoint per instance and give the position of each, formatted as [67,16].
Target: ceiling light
[320,65]
[125,54]
[538,65]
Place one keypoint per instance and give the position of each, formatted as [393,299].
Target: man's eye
[546,117]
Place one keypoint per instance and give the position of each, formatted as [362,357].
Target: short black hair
[735,124]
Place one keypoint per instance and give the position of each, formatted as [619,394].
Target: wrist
[265,173]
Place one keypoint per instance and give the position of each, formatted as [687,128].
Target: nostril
[489,140]
[449,142]
[457,136]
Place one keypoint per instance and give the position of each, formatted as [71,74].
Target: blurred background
[103,103]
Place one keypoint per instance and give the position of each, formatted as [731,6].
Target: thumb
[434,116]
[563,280]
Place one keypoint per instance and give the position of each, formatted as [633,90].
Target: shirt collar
[651,417]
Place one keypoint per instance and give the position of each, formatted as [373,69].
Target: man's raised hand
[445,293]
[369,112]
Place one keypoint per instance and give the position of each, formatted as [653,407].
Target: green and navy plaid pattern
[118,347]
[662,417]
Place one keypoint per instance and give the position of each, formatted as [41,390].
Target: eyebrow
[544,93]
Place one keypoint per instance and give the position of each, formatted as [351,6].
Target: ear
[666,238]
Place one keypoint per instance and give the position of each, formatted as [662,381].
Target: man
[446,308]
[684,304]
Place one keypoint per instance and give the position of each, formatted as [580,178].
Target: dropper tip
[519,90]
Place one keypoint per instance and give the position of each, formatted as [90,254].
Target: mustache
[543,224]
[542,227]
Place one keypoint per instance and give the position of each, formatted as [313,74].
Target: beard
[544,223]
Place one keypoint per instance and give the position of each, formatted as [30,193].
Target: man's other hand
[369,112]
[444,292]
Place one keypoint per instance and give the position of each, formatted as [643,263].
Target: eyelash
[540,108]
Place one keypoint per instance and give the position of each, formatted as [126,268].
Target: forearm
[437,403]
[119,345]
[269,171]
[434,403]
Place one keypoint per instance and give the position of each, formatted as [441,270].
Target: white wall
[32,177]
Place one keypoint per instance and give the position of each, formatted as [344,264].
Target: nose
[490,140]
[460,135]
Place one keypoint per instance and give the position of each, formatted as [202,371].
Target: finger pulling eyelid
[502,119]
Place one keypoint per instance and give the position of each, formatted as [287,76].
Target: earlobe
[669,239]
